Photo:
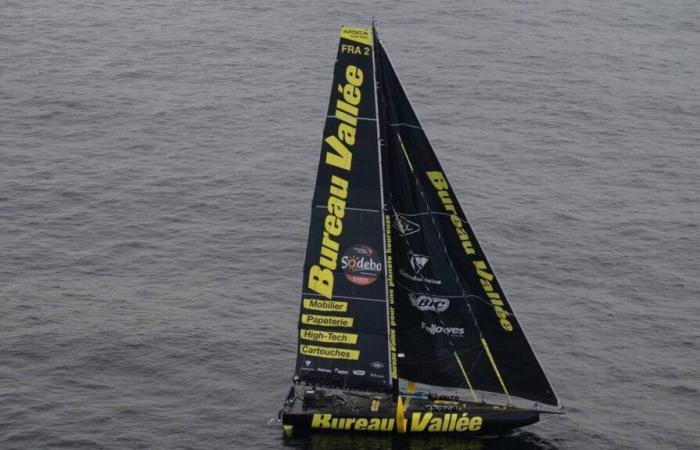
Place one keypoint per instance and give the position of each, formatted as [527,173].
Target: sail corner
[359,35]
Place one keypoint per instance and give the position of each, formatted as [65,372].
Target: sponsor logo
[327,321]
[434,423]
[375,375]
[328,422]
[329,352]
[419,278]
[417,261]
[419,422]
[342,372]
[307,362]
[325,305]
[428,303]
[359,373]
[439,329]
[321,369]
[361,265]
[377,365]
[332,337]
[359,35]
[405,226]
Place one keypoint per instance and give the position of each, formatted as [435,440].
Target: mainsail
[396,285]
[343,320]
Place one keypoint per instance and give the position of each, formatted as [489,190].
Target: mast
[386,225]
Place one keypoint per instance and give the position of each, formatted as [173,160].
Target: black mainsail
[398,294]
[343,320]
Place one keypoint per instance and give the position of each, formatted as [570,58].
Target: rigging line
[332,116]
[434,213]
[471,388]
[493,363]
[406,288]
[403,124]
[489,304]
[352,209]
[408,160]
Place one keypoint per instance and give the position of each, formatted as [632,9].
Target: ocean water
[157,162]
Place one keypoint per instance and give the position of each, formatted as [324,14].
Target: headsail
[455,327]
[343,317]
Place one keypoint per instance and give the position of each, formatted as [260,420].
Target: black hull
[377,414]
[492,423]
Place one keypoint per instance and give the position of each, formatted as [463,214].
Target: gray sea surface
[157,162]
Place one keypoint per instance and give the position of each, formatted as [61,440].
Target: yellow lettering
[336,207]
[333,225]
[321,281]
[505,323]
[325,305]
[438,180]
[342,159]
[354,75]
[327,321]
[486,285]
[329,352]
[340,105]
[345,117]
[339,187]
[321,421]
[328,336]
[462,424]
[420,421]
[435,424]
[329,258]
[347,133]
[387,425]
[475,424]
[468,248]
[351,94]
[481,270]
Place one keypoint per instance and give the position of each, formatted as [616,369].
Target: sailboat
[403,325]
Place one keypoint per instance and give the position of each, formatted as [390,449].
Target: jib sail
[454,325]
[343,317]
